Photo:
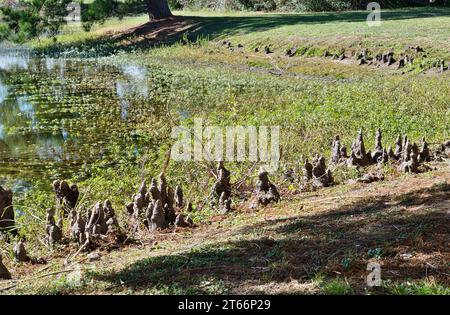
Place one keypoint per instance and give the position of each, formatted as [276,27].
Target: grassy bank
[333,31]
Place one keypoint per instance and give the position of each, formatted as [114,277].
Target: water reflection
[9,61]
[135,72]
[3,92]
[184,114]
[136,83]
[25,106]
[121,91]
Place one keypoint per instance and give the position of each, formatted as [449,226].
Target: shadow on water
[305,246]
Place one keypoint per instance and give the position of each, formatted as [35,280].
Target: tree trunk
[158,9]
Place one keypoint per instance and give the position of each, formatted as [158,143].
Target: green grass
[322,31]
[337,287]
[422,287]
[411,104]
[332,30]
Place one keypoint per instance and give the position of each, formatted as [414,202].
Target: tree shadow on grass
[213,27]
[172,30]
[339,241]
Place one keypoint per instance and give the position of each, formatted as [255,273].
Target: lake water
[58,116]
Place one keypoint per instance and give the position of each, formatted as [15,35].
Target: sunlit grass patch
[422,287]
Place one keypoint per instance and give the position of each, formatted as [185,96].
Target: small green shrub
[419,288]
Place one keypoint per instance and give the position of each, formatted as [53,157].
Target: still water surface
[57,116]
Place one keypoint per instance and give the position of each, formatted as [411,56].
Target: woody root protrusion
[66,196]
[266,191]
[316,173]
[222,189]
[7,222]
[410,156]
[159,206]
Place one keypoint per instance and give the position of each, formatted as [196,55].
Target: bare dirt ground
[154,32]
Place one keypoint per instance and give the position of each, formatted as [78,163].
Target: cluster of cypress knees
[408,156]
[159,206]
